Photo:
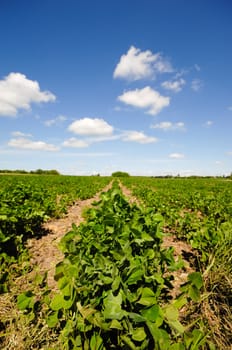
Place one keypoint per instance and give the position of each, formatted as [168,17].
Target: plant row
[196,210]
[115,284]
[27,201]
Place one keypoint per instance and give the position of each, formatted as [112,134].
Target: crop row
[115,282]
[27,201]
[199,211]
[196,210]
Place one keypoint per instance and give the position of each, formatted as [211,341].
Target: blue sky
[98,86]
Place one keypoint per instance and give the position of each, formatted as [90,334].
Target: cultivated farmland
[148,268]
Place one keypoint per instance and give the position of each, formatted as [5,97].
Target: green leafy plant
[114,289]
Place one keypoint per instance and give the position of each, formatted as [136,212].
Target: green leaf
[177,346]
[106,279]
[136,317]
[152,313]
[85,311]
[3,238]
[96,342]
[139,334]
[146,237]
[116,325]
[177,326]
[25,300]
[135,277]
[171,316]
[148,297]
[158,334]
[180,302]
[116,283]
[112,305]
[196,279]
[52,319]
[59,302]
[194,293]
[56,303]
[126,340]
[150,254]
[158,277]
[171,313]
[64,286]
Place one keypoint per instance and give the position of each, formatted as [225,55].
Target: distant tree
[53,172]
[120,174]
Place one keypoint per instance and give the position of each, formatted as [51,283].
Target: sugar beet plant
[114,283]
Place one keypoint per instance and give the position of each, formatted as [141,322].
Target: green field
[116,279]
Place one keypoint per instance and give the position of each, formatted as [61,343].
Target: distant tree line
[36,172]
[120,174]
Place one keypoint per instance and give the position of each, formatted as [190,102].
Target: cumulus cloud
[18,92]
[75,143]
[25,143]
[176,155]
[174,86]
[137,64]
[145,98]
[196,84]
[91,127]
[93,130]
[166,126]
[56,121]
[138,136]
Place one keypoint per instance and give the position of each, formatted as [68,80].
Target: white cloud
[20,134]
[181,73]
[229,153]
[166,126]
[75,143]
[176,155]
[24,143]
[91,127]
[127,136]
[196,84]
[137,64]
[174,86]
[138,136]
[230,108]
[17,92]
[145,98]
[56,121]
